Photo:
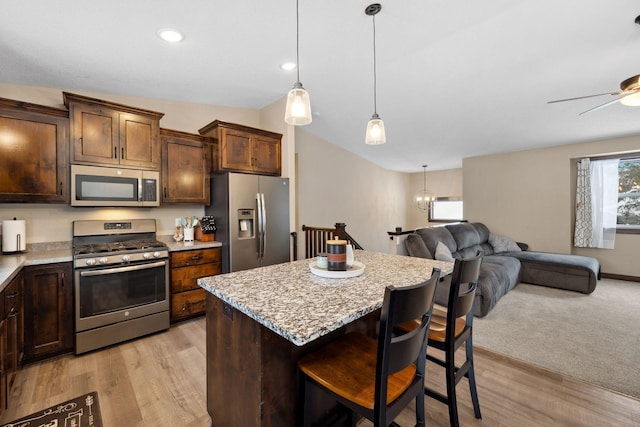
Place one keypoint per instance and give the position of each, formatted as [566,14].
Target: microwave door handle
[140,189]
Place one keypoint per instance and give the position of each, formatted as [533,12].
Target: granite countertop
[300,306]
[50,253]
[185,246]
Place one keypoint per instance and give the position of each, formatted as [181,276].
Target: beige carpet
[593,337]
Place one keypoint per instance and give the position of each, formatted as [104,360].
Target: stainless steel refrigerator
[251,213]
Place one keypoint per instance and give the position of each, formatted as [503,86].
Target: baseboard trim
[620,277]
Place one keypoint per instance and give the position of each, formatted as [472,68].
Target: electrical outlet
[178,222]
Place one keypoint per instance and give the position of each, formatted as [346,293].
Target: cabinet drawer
[187,304]
[184,278]
[195,257]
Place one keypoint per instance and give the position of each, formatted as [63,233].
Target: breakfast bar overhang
[261,321]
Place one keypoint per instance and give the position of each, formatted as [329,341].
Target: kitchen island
[261,321]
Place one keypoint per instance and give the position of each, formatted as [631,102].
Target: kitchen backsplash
[53,223]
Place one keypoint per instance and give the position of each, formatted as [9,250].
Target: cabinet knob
[122,153]
[115,152]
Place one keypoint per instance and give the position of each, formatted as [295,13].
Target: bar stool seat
[347,367]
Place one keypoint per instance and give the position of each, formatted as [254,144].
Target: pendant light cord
[297,42]
[375,103]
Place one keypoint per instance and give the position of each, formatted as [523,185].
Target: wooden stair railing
[315,238]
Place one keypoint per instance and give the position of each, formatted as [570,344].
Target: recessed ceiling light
[170,35]
[288,66]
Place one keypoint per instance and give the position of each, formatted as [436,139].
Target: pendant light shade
[375,127]
[298,110]
[375,131]
[423,198]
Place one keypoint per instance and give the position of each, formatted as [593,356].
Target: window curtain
[596,203]
[583,234]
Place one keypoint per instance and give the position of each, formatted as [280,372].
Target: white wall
[335,185]
[529,196]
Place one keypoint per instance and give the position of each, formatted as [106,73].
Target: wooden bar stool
[450,328]
[377,378]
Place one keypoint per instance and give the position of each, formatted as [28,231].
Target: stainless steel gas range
[121,277]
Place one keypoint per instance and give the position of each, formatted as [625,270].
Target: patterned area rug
[83,411]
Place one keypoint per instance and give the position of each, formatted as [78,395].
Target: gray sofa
[505,263]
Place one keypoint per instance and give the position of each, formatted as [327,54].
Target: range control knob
[146,255]
[91,261]
[103,260]
[156,254]
[125,258]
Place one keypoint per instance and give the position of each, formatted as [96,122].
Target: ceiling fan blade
[606,104]
[583,97]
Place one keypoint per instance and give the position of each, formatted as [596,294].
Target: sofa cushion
[416,247]
[433,235]
[563,271]
[464,234]
[503,244]
[443,253]
[498,275]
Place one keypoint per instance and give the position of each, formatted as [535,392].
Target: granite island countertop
[298,305]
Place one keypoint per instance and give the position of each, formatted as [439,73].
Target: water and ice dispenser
[246,219]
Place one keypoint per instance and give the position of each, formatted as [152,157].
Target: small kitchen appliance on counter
[13,236]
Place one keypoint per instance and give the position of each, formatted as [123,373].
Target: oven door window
[121,288]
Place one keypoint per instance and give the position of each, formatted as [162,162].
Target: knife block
[210,237]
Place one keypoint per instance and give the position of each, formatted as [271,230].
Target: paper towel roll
[13,236]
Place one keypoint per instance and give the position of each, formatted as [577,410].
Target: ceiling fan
[629,94]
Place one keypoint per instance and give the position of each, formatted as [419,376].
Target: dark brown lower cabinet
[11,336]
[48,304]
[187,298]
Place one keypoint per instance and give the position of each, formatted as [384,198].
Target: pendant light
[375,127]
[298,111]
[424,198]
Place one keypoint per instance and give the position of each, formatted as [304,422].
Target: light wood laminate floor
[160,380]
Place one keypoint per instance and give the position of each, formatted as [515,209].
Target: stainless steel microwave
[112,186]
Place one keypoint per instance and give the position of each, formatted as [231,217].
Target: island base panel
[252,374]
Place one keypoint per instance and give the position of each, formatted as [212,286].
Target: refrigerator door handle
[264,225]
[260,226]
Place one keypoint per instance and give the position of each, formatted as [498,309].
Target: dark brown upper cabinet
[34,153]
[240,148]
[106,133]
[186,162]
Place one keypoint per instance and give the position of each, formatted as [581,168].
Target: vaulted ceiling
[454,79]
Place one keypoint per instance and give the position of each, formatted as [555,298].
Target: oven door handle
[123,269]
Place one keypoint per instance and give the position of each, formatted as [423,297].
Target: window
[629,194]
[444,210]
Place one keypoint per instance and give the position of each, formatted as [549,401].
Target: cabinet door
[139,145]
[34,152]
[266,154]
[3,373]
[14,328]
[235,150]
[94,134]
[185,168]
[48,304]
